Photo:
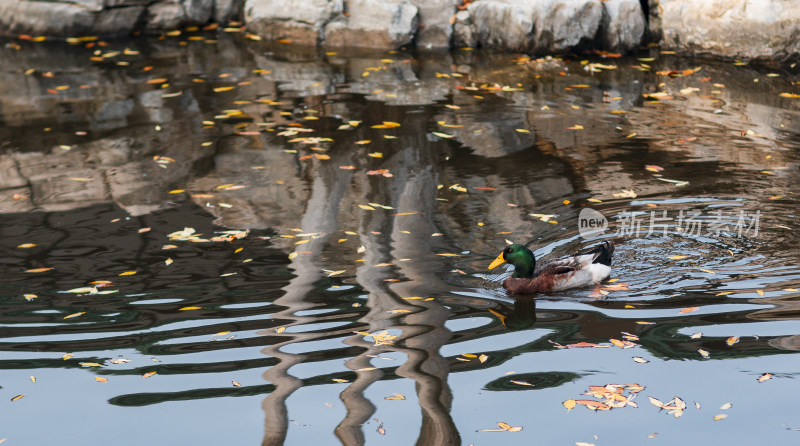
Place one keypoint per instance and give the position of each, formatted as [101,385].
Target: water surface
[296,244]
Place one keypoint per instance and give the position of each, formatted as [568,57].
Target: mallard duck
[559,274]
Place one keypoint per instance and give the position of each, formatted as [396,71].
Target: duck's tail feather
[604,253]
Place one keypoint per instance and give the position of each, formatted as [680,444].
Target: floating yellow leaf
[569,404]
[91,364]
[764,377]
[364,141]
[395,396]
[17,397]
[127,273]
[760,293]
[339,380]
[149,374]
[100,379]
[703,353]
[689,309]
[37,270]
[27,245]
[74,315]
[789,95]
[221,89]
[721,416]
[443,135]
[640,360]
[190,308]
[236,383]
[732,340]
[67,356]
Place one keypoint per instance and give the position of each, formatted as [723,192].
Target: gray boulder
[743,29]
[300,21]
[623,25]
[67,19]
[435,29]
[374,24]
[535,25]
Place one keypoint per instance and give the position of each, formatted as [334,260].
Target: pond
[211,240]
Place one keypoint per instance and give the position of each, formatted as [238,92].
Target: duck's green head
[521,257]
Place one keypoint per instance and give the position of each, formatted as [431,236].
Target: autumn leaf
[689,309]
[395,396]
[37,270]
[100,379]
[148,374]
[764,377]
[17,397]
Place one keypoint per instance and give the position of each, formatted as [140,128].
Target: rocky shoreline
[766,30]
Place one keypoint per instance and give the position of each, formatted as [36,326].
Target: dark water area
[296,242]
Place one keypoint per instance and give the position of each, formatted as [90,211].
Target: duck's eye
[508,250]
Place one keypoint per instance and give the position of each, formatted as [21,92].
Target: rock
[742,29]
[623,25]
[174,14]
[227,10]
[435,29]
[300,21]
[66,19]
[537,26]
[462,31]
[382,24]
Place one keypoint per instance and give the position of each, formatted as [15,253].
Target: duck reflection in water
[520,315]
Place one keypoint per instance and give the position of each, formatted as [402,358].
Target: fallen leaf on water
[100,379]
[689,309]
[482,358]
[583,443]
[17,397]
[521,383]
[33,379]
[764,377]
[721,416]
[640,360]
[569,404]
[726,406]
[732,340]
[339,380]
[696,335]
[677,257]
[127,273]
[653,168]
[149,374]
[703,353]
[190,308]
[37,270]
[74,315]
[26,245]
[760,293]
[789,95]
[236,383]
[67,356]
[395,396]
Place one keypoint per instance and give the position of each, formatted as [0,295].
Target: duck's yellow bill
[497,262]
